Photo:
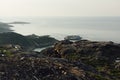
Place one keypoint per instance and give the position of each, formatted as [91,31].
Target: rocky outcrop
[82,60]
[86,49]
[99,57]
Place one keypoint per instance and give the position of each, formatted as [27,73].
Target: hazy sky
[59,7]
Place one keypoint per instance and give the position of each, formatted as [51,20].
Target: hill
[27,42]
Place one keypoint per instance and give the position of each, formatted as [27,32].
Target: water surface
[92,28]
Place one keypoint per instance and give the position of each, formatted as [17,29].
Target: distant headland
[4,27]
[19,22]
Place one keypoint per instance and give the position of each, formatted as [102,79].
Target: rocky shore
[66,60]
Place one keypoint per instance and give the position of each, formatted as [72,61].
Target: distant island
[19,22]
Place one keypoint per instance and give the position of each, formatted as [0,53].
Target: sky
[59,8]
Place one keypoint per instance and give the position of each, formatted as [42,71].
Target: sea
[91,28]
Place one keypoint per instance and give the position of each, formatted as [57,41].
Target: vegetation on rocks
[82,60]
[101,56]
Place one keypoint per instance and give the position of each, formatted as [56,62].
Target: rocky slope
[41,69]
[82,60]
[19,65]
[102,56]
[85,49]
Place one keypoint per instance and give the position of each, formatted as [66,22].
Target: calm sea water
[92,28]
